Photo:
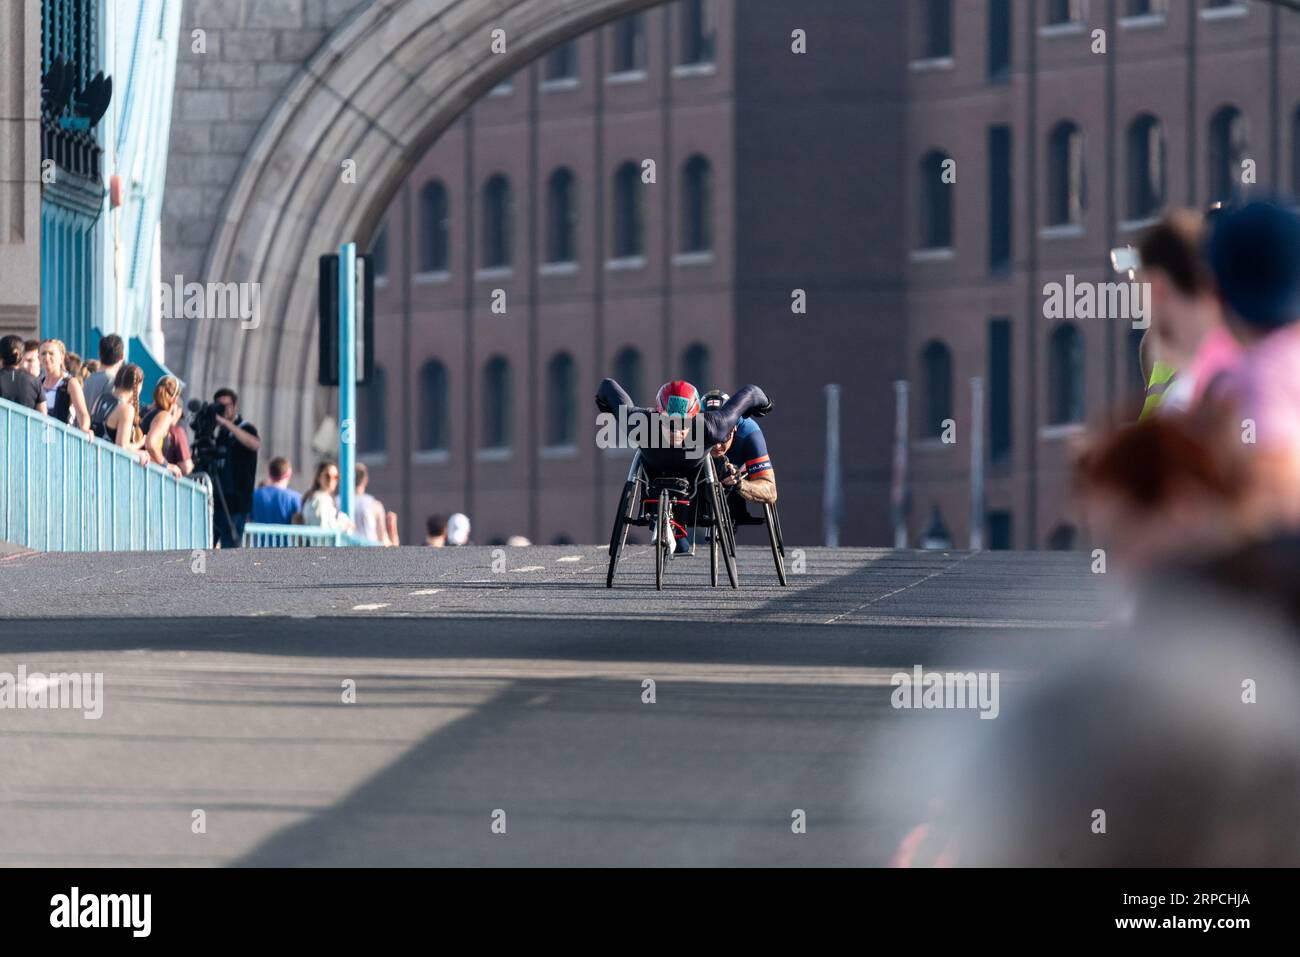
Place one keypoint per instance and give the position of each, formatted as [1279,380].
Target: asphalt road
[503,687]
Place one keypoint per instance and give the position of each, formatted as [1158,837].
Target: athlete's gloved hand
[602,405]
[763,410]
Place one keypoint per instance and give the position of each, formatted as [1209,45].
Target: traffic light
[329,320]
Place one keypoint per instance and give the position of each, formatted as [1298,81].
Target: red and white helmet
[678,398]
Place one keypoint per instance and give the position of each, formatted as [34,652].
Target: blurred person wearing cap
[458,529]
[1254,253]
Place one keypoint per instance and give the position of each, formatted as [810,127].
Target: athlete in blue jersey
[748,464]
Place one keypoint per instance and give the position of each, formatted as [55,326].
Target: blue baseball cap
[1254,252]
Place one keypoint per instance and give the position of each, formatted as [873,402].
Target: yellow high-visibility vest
[1162,377]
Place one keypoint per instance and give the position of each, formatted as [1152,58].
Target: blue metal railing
[260,535]
[63,491]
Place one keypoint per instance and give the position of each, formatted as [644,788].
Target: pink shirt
[1266,383]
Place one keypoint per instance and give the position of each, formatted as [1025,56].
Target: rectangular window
[1000,211]
[999,536]
[999,389]
[999,41]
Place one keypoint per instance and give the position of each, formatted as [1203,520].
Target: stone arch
[378,91]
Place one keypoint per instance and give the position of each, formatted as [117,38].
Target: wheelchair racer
[678,402]
[744,464]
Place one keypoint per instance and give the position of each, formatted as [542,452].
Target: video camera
[208,453]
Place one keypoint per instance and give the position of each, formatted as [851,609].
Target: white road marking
[371,607]
[570,558]
[530,568]
[427,591]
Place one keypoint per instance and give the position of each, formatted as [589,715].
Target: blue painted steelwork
[63,491]
[259,535]
[347,374]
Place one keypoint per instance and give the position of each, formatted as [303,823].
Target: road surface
[500,690]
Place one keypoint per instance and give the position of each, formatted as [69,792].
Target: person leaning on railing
[164,439]
[116,415]
[17,385]
[64,398]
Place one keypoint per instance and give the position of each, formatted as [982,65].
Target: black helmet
[714,400]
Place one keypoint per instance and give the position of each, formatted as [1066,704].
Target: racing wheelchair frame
[650,496]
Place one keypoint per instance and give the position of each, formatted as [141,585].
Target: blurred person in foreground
[1189,343]
[1255,255]
[435,532]
[1171,745]
[275,503]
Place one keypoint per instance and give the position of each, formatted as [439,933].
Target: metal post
[347,374]
[831,492]
[976,464]
[898,478]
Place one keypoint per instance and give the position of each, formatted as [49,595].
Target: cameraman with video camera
[235,468]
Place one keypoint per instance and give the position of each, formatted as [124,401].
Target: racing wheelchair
[667,491]
[770,518]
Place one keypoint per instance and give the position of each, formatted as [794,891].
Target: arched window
[1229,144]
[379,252]
[936,29]
[561,400]
[629,225]
[498,222]
[561,217]
[935,202]
[629,44]
[562,62]
[695,366]
[433,407]
[1067,186]
[435,245]
[497,404]
[936,373]
[627,373]
[698,20]
[697,205]
[372,414]
[1146,167]
[1066,370]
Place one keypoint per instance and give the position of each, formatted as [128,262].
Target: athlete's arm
[751,400]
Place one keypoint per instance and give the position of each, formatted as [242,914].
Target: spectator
[64,399]
[372,524]
[116,416]
[435,532]
[32,358]
[72,362]
[112,353]
[237,447]
[1255,255]
[458,529]
[164,438]
[1188,333]
[275,503]
[16,384]
[318,506]
[88,369]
